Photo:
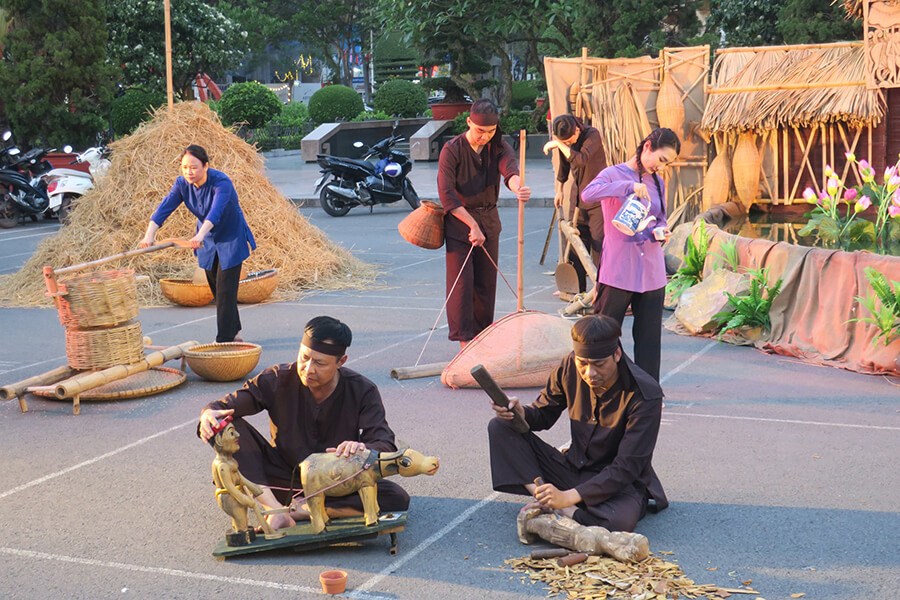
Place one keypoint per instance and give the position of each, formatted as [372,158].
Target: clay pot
[424,226]
[745,167]
[333,582]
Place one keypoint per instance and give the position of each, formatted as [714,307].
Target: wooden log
[78,384]
[415,372]
[17,390]
[574,239]
[532,525]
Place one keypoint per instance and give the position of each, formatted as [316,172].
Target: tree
[203,40]
[54,79]
[746,22]
[815,22]
[333,26]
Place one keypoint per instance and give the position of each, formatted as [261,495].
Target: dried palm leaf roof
[791,87]
[853,7]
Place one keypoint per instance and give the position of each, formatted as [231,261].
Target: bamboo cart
[104,346]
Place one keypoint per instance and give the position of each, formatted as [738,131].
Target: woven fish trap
[424,227]
[257,286]
[105,347]
[98,299]
[223,361]
[185,292]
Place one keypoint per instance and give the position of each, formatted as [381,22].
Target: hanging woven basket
[669,107]
[745,165]
[424,227]
[717,182]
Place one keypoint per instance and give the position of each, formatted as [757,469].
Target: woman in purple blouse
[633,271]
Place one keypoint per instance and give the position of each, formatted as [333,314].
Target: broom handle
[520,267]
[167,243]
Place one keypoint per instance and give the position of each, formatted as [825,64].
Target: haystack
[112,217]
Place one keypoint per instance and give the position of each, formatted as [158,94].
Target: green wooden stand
[300,538]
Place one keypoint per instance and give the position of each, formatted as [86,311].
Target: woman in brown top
[469,173]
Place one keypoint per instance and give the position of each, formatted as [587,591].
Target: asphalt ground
[778,472]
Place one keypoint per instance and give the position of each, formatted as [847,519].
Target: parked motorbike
[66,186]
[22,193]
[349,182]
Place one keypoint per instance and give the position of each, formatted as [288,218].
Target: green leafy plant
[885,196]
[378,115]
[132,108]
[752,310]
[249,102]
[335,103]
[883,304]
[401,98]
[691,273]
[524,94]
[729,257]
[293,114]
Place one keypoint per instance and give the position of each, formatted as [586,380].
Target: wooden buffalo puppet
[326,474]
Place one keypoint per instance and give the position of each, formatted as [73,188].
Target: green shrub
[378,115]
[524,95]
[132,108]
[215,106]
[459,123]
[516,120]
[249,102]
[401,98]
[335,103]
[293,114]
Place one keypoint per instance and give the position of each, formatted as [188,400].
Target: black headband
[596,350]
[324,347]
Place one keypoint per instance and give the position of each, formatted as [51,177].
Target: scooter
[22,193]
[349,182]
[66,186]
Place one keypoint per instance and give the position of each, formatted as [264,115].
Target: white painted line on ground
[160,571]
[787,421]
[96,459]
[407,556]
[15,255]
[22,237]
[687,363]
[360,306]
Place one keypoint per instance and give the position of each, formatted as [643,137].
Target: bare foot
[463,344]
[237,337]
[280,521]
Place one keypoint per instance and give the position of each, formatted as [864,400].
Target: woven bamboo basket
[717,182]
[424,227]
[669,107]
[98,299]
[105,347]
[745,165]
[225,361]
[186,292]
[257,286]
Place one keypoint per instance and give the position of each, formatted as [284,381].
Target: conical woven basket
[669,107]
[424,227]
[745,165]
[717,182]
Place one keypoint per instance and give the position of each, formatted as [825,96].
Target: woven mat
[145,383]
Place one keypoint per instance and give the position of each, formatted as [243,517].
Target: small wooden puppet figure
[235,493]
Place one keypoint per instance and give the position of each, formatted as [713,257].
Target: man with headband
[469,171]
[605,477]
[314,405]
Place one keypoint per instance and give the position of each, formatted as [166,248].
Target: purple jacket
[632,263]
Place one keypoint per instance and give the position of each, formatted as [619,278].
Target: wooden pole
[794,47]
[429,370]
[167,243]
[785,86]
[169,91]
[520,267]
[17,390]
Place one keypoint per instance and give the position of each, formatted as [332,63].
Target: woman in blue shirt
[223,239]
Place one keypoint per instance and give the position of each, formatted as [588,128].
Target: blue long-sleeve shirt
[215,201]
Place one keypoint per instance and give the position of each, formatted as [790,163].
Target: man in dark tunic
[314,405]
[581,156]
[605,477]
[469,173]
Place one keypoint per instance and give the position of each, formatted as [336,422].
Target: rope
[490,258]
[441,313]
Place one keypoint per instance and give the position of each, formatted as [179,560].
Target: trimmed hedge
[293,114]
[249,102]
[335,103]
[402,98]
[132,108]
[524,95]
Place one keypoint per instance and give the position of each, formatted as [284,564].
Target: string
[499,271]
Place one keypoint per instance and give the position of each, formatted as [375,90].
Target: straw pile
[601,577]
[112,217]
[835,69]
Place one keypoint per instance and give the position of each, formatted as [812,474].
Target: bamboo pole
[520,266]
[106,259]
[415,372]
[791,47]
[78,384]
[785,86]
[170,95]
[17,390]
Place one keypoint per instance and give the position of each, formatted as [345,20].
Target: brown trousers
[470,308]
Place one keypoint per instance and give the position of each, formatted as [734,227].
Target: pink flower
[889,172]
[894,210]
[863,164]
[850,156]
[850,194]
[809,195]
[894,182]
[895,199]
[863,203]
[832,186]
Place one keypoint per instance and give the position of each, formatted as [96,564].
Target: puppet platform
[300,538]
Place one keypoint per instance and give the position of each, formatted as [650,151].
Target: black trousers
[647,308]
[224,285]
[470,308]
[260,462]
[518,458]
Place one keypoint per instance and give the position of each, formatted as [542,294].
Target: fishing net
[112,217]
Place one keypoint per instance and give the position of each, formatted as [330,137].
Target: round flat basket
[223,361]
[98,299]
[185,292]
[146,383]
[257,286]
[92,349]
